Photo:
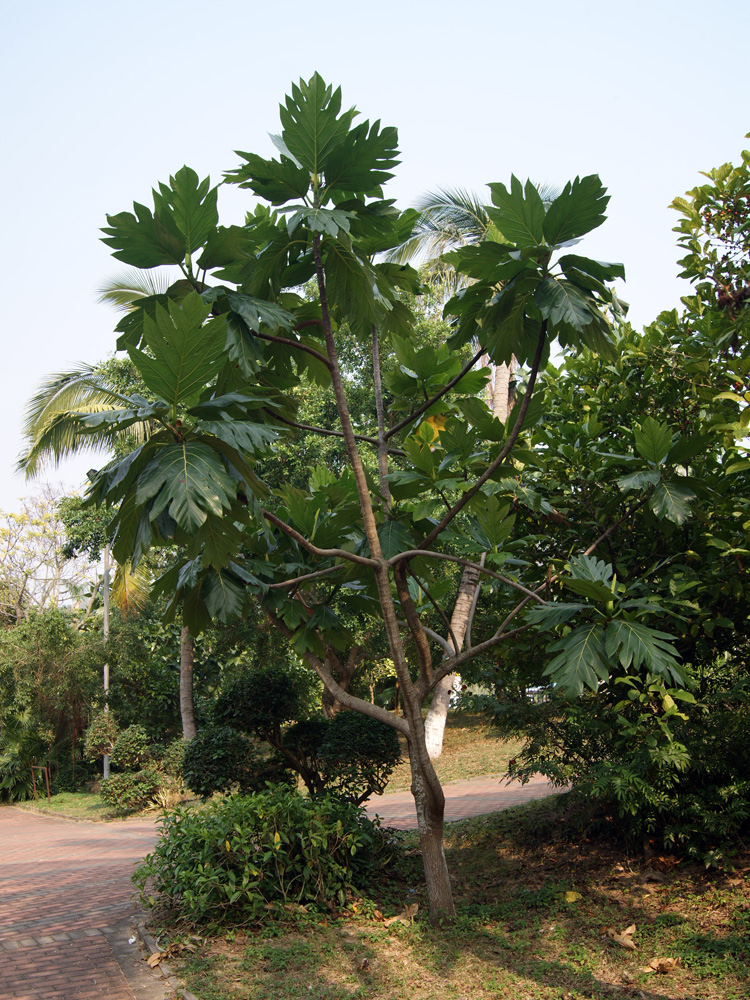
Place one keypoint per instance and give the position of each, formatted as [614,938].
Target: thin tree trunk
[429,801]
[434,725]
[187,704]
[501,392]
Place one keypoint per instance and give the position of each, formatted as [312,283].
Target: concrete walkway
[67,916]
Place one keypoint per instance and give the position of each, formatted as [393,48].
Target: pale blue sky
[102,100]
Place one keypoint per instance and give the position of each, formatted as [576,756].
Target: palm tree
[53,431]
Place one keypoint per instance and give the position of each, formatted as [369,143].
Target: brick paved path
[462,800]
[64,900]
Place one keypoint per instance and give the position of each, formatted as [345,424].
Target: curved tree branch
[295,343]
[505,450]
[433,399]
[428,554]
[325,553]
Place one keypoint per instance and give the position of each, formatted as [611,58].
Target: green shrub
[357,756]
[132,790]
[220,759]
[100,736]
[22,743]
[261,701]
[131,750]
[674,771]
[168,758]
[232,861]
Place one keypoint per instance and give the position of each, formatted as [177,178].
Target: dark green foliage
[131,750]
[680,776]
[52,669]
[220,759]
[357,756]
[350,755]
[22,744]
[260,701]
[231,862]
[169,758]
[131,791]
[100,736]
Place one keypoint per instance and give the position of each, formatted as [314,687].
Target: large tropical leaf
[278,181]
[350,283]
[143,239]
[598,269]
[518,213]
[247,437]
[653,440]
[560,301]
[223,594]
[186,354]
[636,645]
[192,206]
[189,480]
[394,537]
[671,500]
[486,262]
[577,210]
[312,128]
[364,161]
[581,660]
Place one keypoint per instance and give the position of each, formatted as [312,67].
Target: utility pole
[106,637]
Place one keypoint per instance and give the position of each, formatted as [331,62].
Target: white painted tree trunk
[499,403]
[434,723]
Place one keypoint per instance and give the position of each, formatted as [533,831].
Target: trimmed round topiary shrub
[132,749]
[260,701]
[132,790]
[219,759]
[357,756]
[100,736]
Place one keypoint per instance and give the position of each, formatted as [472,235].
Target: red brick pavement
[462,800]
[63,888]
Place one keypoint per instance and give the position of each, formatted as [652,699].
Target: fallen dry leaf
[662,965]
[154,959]
[624,939]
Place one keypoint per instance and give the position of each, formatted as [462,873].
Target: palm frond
[125,289]
[130,588]
[52,428]
[448,218]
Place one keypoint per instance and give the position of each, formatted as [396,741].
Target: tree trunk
[187,705]
[430,805]
[436,717]
[501,392]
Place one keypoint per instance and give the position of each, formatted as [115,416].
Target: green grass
[518,934]
[470,750]
[74,805]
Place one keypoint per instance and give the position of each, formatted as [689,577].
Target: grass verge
[535,897]
[72,805]
[471,749]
